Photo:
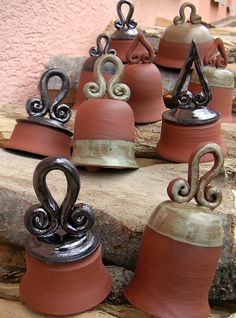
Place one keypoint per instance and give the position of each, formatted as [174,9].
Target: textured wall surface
[31,32]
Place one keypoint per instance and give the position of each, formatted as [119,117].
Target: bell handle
[41,106]
[134,57]
[194,17]
[181,190]
[114,89]
[211,59]
[125,23]
[100,49]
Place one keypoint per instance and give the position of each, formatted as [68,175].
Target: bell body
[146,99]
[104,134]
[177,142]
[122,45]
[222,84]
[175,44]
[40,137]
[178,257]
[87,75]
[67,288]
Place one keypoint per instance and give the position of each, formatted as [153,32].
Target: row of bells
[176,264]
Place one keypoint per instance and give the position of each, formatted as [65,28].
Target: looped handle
[134,57]
[100,49]
[113,88]
[43,221]
[181,190]
[40,107]
[211,59]
[194,17]
[125,23]
[185,98]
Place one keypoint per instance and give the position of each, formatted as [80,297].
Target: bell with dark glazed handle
[220,80]
[104,132]
[43,132]
[125,32]
[176,41]
[103,47]
[181,246]
[144,81]
[65,274]
[191,122]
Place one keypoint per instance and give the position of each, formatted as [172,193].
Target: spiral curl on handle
[134,57]
[40,107]
[100,49]
[194,17]
[113,88]
[43,220]
[181,190]
[211,59]
[186,98]
[125,23]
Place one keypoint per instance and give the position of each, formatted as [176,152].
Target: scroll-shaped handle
[186,98]
[194,17]
[113,88]
[43,220]
[211,59]
[125,23]
[41,106]
[181,190]
[134,57]
[100,49]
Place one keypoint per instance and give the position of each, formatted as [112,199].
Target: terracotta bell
[38,134]
[125,32]
[221,82]
[191,122]
[86,74]
[181,246]
[104,124]
[144,81]
[65,274]
[176,41]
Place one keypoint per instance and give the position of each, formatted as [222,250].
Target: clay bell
[191,122]
[65,274]
[144,81]
[38,134]
[221,82]
[181,246]
[86,74]
[125,32]
[176,41]
[104,123]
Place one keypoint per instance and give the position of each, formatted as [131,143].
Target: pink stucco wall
[31,32]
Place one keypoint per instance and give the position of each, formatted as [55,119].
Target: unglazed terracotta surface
[172,279]
[174,54]
[40,140]
[177,142]
[122,46]
[106,119]
[221,101]
[65,289]
[146,98]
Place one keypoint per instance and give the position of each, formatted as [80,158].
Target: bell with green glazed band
[181,246]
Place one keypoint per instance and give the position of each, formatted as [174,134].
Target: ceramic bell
[144,81]
[126,31]
[65,273]
[38,134]
[191,122]
[104,124]
[221,82]
[176,41]
[86,74]
[181,246]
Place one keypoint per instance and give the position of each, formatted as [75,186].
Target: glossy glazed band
[104,153]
